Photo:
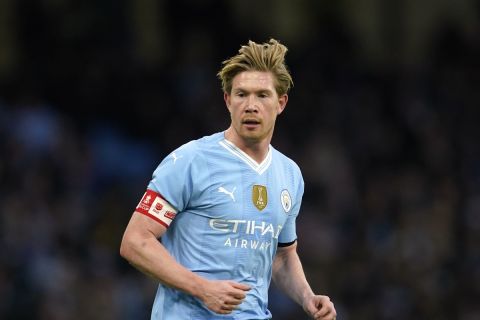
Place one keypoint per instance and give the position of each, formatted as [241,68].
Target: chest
[239,197]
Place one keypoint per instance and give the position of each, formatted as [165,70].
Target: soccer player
[225,206]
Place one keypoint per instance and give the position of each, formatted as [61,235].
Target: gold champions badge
[259,196]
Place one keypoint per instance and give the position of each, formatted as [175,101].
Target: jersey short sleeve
[289,234]
[173,177]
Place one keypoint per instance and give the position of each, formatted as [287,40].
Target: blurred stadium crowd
[383,120]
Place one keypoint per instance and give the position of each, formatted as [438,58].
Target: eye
[240,94]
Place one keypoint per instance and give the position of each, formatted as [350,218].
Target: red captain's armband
[157,208]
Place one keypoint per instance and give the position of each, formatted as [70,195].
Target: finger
[326,310]
[240,286]
[321,313]
[234,302]
[330,316]
[238,294]
[319,316]
[224,311]
[228,308]
[311,308]
[315,304]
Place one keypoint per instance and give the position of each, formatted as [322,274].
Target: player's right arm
[140,247]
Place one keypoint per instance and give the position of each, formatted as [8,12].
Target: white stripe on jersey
[258,167]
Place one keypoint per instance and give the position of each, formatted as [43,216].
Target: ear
[226,98]
[282,103]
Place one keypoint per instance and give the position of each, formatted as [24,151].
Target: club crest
[286,200]
[259,196]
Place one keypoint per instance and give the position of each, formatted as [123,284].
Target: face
[254,106]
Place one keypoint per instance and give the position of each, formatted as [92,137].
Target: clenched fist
[320,307]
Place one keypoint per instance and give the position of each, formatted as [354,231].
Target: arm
[288,275]
[140,246]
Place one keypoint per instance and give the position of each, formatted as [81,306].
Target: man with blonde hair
[225,207]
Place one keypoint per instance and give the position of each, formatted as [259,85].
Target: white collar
[236,151]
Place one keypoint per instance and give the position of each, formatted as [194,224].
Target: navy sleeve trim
[286,244]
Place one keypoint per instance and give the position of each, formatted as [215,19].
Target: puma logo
[223,190]
[175,158]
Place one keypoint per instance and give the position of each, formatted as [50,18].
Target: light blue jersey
[231,215]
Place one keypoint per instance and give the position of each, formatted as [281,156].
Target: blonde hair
[269,57]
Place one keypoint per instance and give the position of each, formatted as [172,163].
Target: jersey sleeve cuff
[286,244]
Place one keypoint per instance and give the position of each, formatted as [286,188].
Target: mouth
[251,123]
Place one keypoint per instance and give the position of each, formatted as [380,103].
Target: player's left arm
[288,275]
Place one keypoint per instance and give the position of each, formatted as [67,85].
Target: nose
[252,104]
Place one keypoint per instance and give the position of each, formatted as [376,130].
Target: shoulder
[289,169]
[192,153]
[286,161]
[194,148]
[209,141]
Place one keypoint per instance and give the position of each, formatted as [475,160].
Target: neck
[256,149]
